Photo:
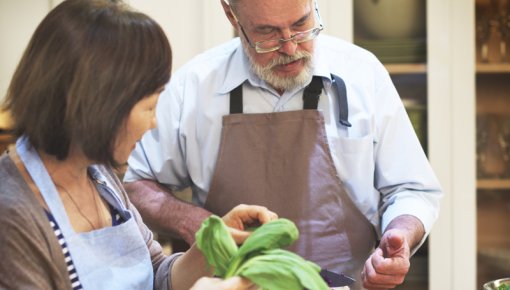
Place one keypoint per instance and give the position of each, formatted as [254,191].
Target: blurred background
[449,61]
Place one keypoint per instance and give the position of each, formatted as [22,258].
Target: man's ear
[228,13]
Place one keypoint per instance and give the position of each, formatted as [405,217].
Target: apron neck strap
[26,176]
[341,92]
[312,94]
[311,97]
[236,100]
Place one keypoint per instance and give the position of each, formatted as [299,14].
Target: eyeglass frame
[313,32]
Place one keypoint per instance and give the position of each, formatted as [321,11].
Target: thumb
[239,236]
[394,245]
[237,283]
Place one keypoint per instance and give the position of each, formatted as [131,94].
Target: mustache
[286,59]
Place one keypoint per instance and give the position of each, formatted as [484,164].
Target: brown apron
[283,161]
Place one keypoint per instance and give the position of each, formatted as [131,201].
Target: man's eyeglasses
[275,44]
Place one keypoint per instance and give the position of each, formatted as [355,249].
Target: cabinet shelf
[493,183]
[491,68]
[406,68]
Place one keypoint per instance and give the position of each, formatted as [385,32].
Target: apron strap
[13,154]
[311,97]
[236,100]
[312,94]
[343,108]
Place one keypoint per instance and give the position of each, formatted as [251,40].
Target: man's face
[289,66]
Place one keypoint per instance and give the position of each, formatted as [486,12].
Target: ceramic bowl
[379,19]
[495,285]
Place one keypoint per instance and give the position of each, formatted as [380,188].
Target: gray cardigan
[31,257]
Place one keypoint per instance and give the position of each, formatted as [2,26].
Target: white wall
[191,25]
[18,20]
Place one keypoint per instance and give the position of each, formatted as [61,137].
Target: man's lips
[289,66]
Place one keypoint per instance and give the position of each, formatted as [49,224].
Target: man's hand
[388,265]
[242,215]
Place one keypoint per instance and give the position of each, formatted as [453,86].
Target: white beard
[283,83]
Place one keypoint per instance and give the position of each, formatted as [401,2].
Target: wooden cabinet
[400,43]
[492,139]
[447,80]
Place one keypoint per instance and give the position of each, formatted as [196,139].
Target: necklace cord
[78,208]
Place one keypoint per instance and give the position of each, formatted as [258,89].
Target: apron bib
[283,161]
[109,258]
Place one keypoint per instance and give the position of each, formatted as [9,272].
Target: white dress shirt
[379,159]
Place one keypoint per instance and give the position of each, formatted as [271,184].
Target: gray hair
[234,3]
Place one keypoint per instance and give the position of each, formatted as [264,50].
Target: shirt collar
[237,71]
[321,65]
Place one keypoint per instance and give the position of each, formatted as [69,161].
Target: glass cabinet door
[395,31]
[493,139]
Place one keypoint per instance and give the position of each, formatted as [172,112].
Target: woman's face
[141,119]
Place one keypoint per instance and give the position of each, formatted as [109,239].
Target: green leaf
[216,243]
[272,235]
[282,270]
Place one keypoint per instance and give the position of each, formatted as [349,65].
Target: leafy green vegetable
[273,235]
[216,243]
[282,270]
[504,287]
[260,258]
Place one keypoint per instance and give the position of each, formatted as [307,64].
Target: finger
[264,216]
[239,236]
[389,266]
[379,272]
[394,245]
[206,283]
[257,213]
[249,214]
[377,281]
[237,283]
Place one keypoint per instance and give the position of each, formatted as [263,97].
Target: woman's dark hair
[88,63]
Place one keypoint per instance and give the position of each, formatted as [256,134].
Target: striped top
[73,275]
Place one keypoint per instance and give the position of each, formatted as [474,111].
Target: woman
[83,94]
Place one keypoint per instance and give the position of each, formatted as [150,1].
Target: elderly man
[307,125]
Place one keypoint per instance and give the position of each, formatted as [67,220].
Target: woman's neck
[70,172]
[84,206]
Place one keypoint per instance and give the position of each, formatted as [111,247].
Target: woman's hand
[243,215]
[233,283]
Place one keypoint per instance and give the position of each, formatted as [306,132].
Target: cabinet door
[395,31]
[493,139]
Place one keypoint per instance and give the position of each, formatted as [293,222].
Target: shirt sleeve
[403,175]
[160,154]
